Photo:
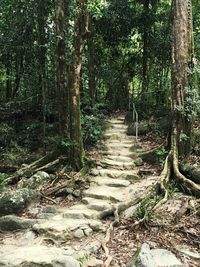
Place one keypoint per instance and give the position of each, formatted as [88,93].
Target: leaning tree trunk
[62,88]
[76,154]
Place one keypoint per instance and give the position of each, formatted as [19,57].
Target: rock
[190,252]
[35,256]
[128,213]
[49,209]
[78,233]
[13,223]
[93,263]
[139,162]
[93,247]
[77,193]
[143,129]
[146,172]
[88,231]
[14,202]
[37,180]
[145,257]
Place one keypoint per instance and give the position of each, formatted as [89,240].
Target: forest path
[63,236]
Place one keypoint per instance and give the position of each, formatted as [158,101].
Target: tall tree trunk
[42,58]
[181,61]
[145,48]
[76,154]
[18,73]
[62,85]
[91,62]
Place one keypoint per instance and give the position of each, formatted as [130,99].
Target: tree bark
[61,74]
[76,154]
[181,58]
[145,49]
[42,58]
[91,62]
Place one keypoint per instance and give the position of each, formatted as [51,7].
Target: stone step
[80,212]
[36,255]
[118,154]
[105,193]
[118,164]
[113,173]
[97,204]
[64,229]
[118,145]
[118,158]
[116,121]
[118,136]
[100,180]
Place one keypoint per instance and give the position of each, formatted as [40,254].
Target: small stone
[87,231]
[78,233]
[93,247]
[77,193]
[70,197]
[139,162]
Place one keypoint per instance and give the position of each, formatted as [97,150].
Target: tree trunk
[62,85]
[181,59]
[42,59]
[145,49]
[76,154]
[91,62]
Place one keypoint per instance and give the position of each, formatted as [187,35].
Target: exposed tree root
[109,231]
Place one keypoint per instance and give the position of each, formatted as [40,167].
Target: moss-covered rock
[14,202]
[13,223]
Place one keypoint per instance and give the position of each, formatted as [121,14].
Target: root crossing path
[71,237]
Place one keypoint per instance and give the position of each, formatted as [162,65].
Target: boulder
[146,257]
[13,223]
[14,202]
[36,256]
[36,180]
[143,128]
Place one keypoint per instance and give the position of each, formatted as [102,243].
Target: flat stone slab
[63,228]
[97,204]
[106,193]
[114,173]
[118,164]
[119,158]
[110,181]
[32,256]
[80,212]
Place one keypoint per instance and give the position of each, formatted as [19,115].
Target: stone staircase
[113,181]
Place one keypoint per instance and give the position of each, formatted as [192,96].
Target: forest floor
[84,228]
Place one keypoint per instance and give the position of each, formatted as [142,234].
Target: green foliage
[7,133]
[161,154]
[3,176]
[145,209]
[93,124]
